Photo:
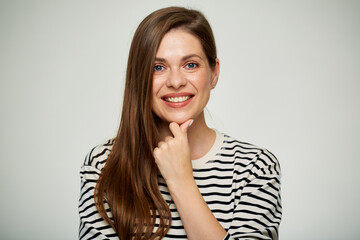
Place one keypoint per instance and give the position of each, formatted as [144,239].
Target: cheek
[203,81]
[157,83]
[155,88]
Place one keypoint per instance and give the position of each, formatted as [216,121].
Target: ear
[215,74]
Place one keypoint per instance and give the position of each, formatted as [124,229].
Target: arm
[173,160]
[199,222]
[257,213]
[92,226]
[257,202]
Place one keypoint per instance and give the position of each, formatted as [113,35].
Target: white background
[290,82]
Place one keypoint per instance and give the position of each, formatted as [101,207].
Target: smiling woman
[167,175]
[182,78]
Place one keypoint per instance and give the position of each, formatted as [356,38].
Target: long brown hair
[129,180]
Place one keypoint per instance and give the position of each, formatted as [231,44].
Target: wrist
[182,187]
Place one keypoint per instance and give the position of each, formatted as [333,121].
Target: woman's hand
[172,155]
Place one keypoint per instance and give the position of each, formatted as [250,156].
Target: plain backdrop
[290,82]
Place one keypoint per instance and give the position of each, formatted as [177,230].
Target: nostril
[176,83]
[176,80]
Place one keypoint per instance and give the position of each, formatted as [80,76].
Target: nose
[176,79]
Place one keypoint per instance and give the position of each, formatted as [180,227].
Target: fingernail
[191,122]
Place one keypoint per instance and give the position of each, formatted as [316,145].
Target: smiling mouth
[177,99]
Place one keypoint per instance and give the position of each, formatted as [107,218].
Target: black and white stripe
[239,181]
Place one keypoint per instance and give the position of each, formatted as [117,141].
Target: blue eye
[158,68]
[191,65]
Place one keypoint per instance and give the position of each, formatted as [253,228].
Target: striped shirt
[239,182]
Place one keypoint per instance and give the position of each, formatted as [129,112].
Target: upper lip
[180,94]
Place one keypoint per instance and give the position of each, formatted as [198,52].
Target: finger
[155,152]
[184,127]
[175,129]
[167,139]
[160,144]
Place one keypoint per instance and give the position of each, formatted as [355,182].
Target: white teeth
[177,99]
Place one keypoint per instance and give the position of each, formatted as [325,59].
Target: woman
[167,175]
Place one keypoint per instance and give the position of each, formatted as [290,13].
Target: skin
[181,68]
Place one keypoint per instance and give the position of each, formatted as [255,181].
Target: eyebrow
[183,58]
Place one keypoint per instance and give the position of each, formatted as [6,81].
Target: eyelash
[187,66]
[158,70]
[195,65]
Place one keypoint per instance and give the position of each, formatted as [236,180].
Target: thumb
[184,127]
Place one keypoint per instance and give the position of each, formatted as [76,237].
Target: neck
[200,136]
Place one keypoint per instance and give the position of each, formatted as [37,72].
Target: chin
[177,119]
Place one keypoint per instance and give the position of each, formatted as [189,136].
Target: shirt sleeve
[92,225]
[258,212]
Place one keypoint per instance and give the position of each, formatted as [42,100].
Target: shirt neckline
[197,163]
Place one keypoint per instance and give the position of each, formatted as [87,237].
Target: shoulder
[250,155]
[92,224]
[97,156]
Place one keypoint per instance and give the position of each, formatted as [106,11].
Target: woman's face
[182,78]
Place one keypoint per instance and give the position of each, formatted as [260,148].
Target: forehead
[179,42]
